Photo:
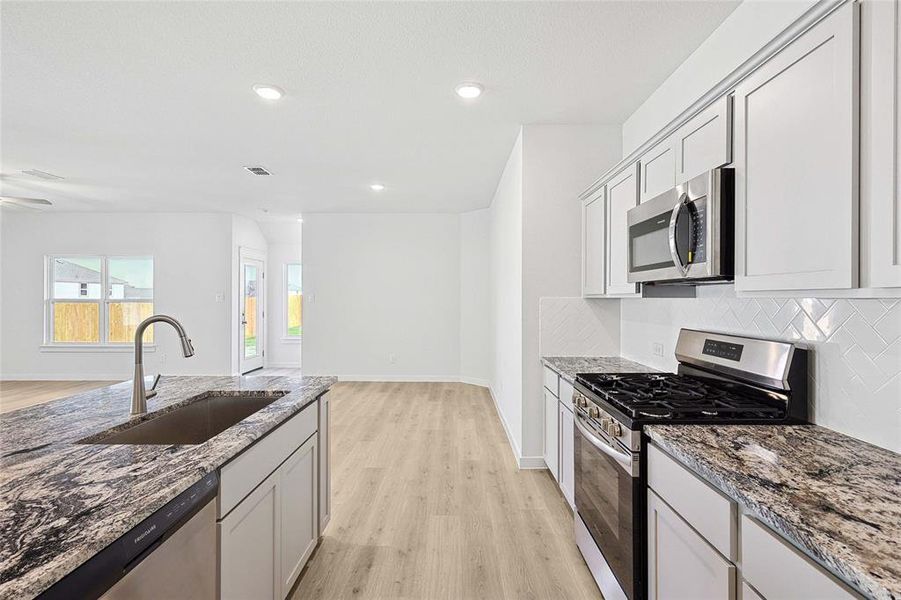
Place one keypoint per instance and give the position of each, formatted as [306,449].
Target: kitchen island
[62,501]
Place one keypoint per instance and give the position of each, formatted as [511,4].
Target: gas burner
[668,396]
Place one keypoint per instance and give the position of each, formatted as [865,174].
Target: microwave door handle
[625,461]
[673,221]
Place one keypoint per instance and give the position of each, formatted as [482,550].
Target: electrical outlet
[392,358]
[658,349]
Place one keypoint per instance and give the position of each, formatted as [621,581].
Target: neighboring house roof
[69,272]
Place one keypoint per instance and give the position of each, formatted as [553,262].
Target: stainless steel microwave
[687,234]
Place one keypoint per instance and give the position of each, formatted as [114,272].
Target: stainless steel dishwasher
[171,554]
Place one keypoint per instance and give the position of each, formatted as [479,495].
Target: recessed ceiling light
[376,187]
[469,90]
[268,92]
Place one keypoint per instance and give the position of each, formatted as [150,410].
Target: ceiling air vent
[43,174]
[257,170]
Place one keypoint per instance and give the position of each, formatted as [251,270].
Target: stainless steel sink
[197,421]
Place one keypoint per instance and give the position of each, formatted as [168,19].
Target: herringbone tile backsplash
[856,345]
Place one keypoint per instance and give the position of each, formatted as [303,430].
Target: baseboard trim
[532,462]
[476,381]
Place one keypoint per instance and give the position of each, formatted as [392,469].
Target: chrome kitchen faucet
[139,395]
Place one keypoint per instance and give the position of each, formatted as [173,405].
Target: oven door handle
[673,221]
[624,460]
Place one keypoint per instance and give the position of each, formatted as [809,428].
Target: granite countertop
[62,502]
[836,498]
[570,366]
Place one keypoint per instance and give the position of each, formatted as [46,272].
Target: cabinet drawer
[778,570]
[552,381]
[240,476]
[712,514]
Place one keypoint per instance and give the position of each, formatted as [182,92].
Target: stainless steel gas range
[720,379]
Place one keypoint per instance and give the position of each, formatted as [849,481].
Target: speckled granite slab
[62,502]
[836,498]
[570,366]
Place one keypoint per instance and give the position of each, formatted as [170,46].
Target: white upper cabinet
[704,142]
[880,137]
[658,169]
[593,235]
[796,126]
[622,195]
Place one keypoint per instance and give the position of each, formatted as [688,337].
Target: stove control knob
[615,429]
[605,423]
[593,412]
[584,402]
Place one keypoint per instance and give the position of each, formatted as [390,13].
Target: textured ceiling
[148,106]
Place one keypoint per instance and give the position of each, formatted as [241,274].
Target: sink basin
[197,421]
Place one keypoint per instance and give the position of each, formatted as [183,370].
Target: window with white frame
[293,301]
[98,299]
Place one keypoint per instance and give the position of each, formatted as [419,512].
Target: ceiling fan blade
[29,203]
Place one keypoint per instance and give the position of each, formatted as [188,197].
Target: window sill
[296,339]
[100,348]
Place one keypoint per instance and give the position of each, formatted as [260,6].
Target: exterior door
[252,330]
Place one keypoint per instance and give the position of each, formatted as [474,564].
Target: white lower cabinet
[299,515]
[325,462]
[249,545]
[567,468]
[269,518]
[681,564]
[551,433]
[693,554]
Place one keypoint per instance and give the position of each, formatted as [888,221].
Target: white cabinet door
[593,236]
[705,141]
[622,194]
[795,163]
[681,564]
[880,140]
[249,546]
[325,462]
[550,433]
[298,499]
[658,169]
[567,471]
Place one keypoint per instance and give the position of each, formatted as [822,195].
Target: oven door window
[649,242]
[605,492]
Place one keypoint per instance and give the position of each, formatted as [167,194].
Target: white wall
[284,246]
[559,162]
[476,346]
[505,231]
[378,286]
[192,265]
[744,32]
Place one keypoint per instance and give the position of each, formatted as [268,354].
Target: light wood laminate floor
[428,503]
[19,394]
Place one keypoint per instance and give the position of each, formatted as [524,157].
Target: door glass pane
[250,311]
[295,301]
[131,278]
[76,322]
[124,318]
[76,278]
